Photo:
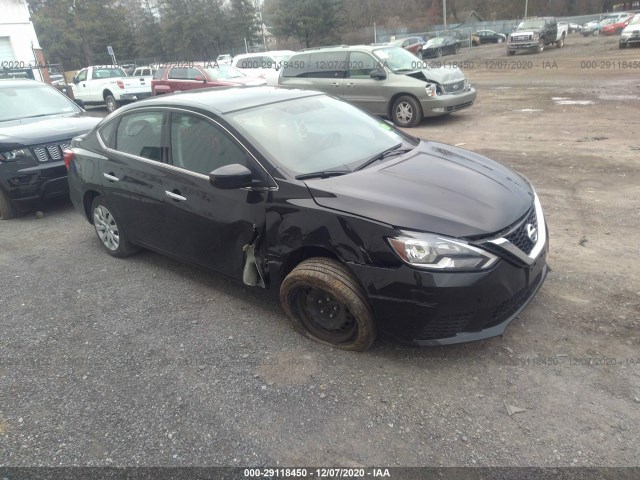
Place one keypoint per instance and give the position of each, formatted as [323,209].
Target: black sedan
[358,227]
[439,46]
[489,36]
[36,123]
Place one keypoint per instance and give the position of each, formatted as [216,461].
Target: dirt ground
[151,362]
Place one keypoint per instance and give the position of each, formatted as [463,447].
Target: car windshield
[316,134]
[531,24]
[397,59]
[635,21]
[435,41]
[33,100]
[223,72]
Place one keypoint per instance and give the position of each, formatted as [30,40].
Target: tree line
[76,32]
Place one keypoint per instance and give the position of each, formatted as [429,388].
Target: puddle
[568,101]
[619,97]
[529,110]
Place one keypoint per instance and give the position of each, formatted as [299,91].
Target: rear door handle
[335,84]
[175,196]
[111,177]
[351,84]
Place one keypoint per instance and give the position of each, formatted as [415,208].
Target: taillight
[120,84]
[67,156]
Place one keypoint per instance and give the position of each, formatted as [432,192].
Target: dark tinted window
[106,133]
[200,146]
[179,73]
[327,65]
[140,134]
[296,66]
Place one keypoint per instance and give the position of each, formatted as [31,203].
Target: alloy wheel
[106,227]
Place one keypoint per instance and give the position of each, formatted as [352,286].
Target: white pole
[526,7]
[444,13]
[375,33]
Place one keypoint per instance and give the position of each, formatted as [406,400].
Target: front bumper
[532,45]
[427,308]
[448,103]
[630,40]
[34,183]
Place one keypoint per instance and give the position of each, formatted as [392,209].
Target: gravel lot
[146,361]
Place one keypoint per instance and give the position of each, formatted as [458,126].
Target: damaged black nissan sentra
[360,228]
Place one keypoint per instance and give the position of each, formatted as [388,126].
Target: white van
[263,64]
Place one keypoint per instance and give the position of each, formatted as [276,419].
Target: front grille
[510,306]
[50,152]
[521,38]
[460,106]
[444,327]
[455,87]
[520,236]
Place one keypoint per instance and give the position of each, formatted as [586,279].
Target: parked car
[617,26]
[265,65]
[385,80]
[466,39]
[36,123]
[571,27]
[631,34]
[177,78]
[439,46]
[224,58]
[489,36]
[357,227]
[595,27]
[534,34]
[146,72]
[108,85]
[411,44]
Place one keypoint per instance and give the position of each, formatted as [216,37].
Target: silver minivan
[383,79]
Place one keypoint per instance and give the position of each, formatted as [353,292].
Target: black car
[36,123]
[489,36]
[439,46]
[357,226]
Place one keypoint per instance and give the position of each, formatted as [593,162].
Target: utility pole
[526,7]
[444,13]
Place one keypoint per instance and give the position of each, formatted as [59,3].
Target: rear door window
[140,134]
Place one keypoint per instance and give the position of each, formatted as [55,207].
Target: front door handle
[175,196]
[351,84]
[335,84]
[111,177]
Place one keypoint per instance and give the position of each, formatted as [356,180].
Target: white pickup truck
[108,85]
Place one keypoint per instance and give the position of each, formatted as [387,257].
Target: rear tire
[541,45]
[511,52]
[7,211]
[110,233]
[325,303]
[406,112]
[560,43]
[112,103]
[439,52]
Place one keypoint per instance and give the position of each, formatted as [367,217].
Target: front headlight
[436,252]
[17,154]
[432,90]
[536,36]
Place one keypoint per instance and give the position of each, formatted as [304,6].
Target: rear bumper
[132,97]
[427,308]
[444,104]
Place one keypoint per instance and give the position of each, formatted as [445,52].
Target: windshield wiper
[322,174]
[390,152]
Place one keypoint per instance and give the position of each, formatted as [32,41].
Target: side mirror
[200,78]
[75,80]
[231,177]
[378,74]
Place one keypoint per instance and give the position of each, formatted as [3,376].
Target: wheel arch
[395,97]
[87,200]
[300,254]
[106,92]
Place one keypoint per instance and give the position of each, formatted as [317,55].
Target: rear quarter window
[296,66]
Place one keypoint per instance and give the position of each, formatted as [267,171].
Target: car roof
[20,82]
[347,48]
[222,100]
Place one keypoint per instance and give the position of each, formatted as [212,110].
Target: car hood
[528,31]
[630,28]
[245,81]
[33,131]
[434,188]
[442,75]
